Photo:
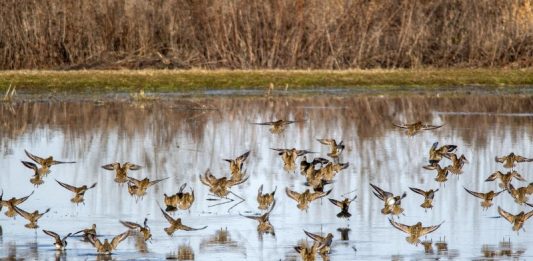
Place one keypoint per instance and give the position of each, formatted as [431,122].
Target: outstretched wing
[119,238]
[494,176]
[42,214]
[52,234]
[94,241]
[518,176]
[130,225]
[187,228]
[264,123]
[315,237]
[403,126]
[292,194]
[380,193]
[317,195]
[326,141]
[156,181]
[55,162]
[33,157]
[506,214]
[22,213]
[522,159]
[132,166]
[20,200]
[427,230]
[500,159]
[29,165]
[110,166]
[67,186]
[243,157]
[303,152]
[93,185]
[418,191]
[167,216]
[399,226]
[477,194]
[529,214]
[431,127]
[335,202]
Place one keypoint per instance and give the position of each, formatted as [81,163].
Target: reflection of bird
[60,243]
[392,203]
[107,247]
[11,203]
[517,220]
[266,199]
[487,197]
[506,178]
[414,231]
[344,205]
[221,186]
[45,162]
[138,187]
[264,226]
[457,163]
[235,165]
[121,171]
[79,191]
[428,246]
[435,155]
[175,224]
[289,157]
[414,128]
[31,217]
[324,243]
[303,199]
[428,196]
[145,229]
[520,194]
[510,160]
[335,148]
[307,253]
[442,173]
[278,126]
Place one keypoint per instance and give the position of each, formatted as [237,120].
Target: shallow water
[181,137]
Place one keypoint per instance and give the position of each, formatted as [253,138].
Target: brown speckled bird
[415,231]
[121,171]
[510,160]
[414,128]
[487,197]
[428,196]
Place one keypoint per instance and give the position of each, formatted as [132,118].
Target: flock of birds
[318,174]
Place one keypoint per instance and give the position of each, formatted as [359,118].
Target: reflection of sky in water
[181,145]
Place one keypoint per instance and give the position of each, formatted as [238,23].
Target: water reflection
[181,138]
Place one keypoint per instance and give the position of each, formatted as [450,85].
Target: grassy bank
[188,80]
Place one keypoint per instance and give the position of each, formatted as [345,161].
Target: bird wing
[506,214]
[134,181]
[427,230]
[22,213]
[182,188]
[500,159]
[55,162]
[243,157]
[29,165]
[402,227]
[477,194]
[156,181]
[315,237]
[67,186]
[522,159]
[33,157]
[20,200]
[381,194]
[42,214]
[493,176]
[528,214]
[252,217]
[280,150]
[94,241]
[418,191]
[119,238]
[403,126]
[303,152]
[326,141]
[335,202]
[264,123]
[518,176]
[93,185]
[52,234]
[431,127]
[110,166]
[132,166]
[130,225]
[167,216]
[187,228]
[260,190]
[65,237]
[317,195]
[292,194]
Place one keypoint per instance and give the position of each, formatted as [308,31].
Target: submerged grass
[190,80]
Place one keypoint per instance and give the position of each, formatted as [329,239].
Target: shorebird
[307,253]
[505,179]
[175,224]
[289,157]
[510,160]
[392,203]
[219,186]
[31,217]
[138,187]
[331,169]
[264,226]
[235,165]
[60,243]
[88,232]
[457,163]
[79,192]
[144,229]
[415,231]
[303,199]
[278,126]
[181,200]
[121,171]
[107,247]
[308,168]
[38,173]
[428,196]
[414,128]
[520,194]
[265,200]
[435,155]
[335,148]
[517,220]
[442,173]
[324,243]
[46,162]
[10,204]
[487,197]
[344,205]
